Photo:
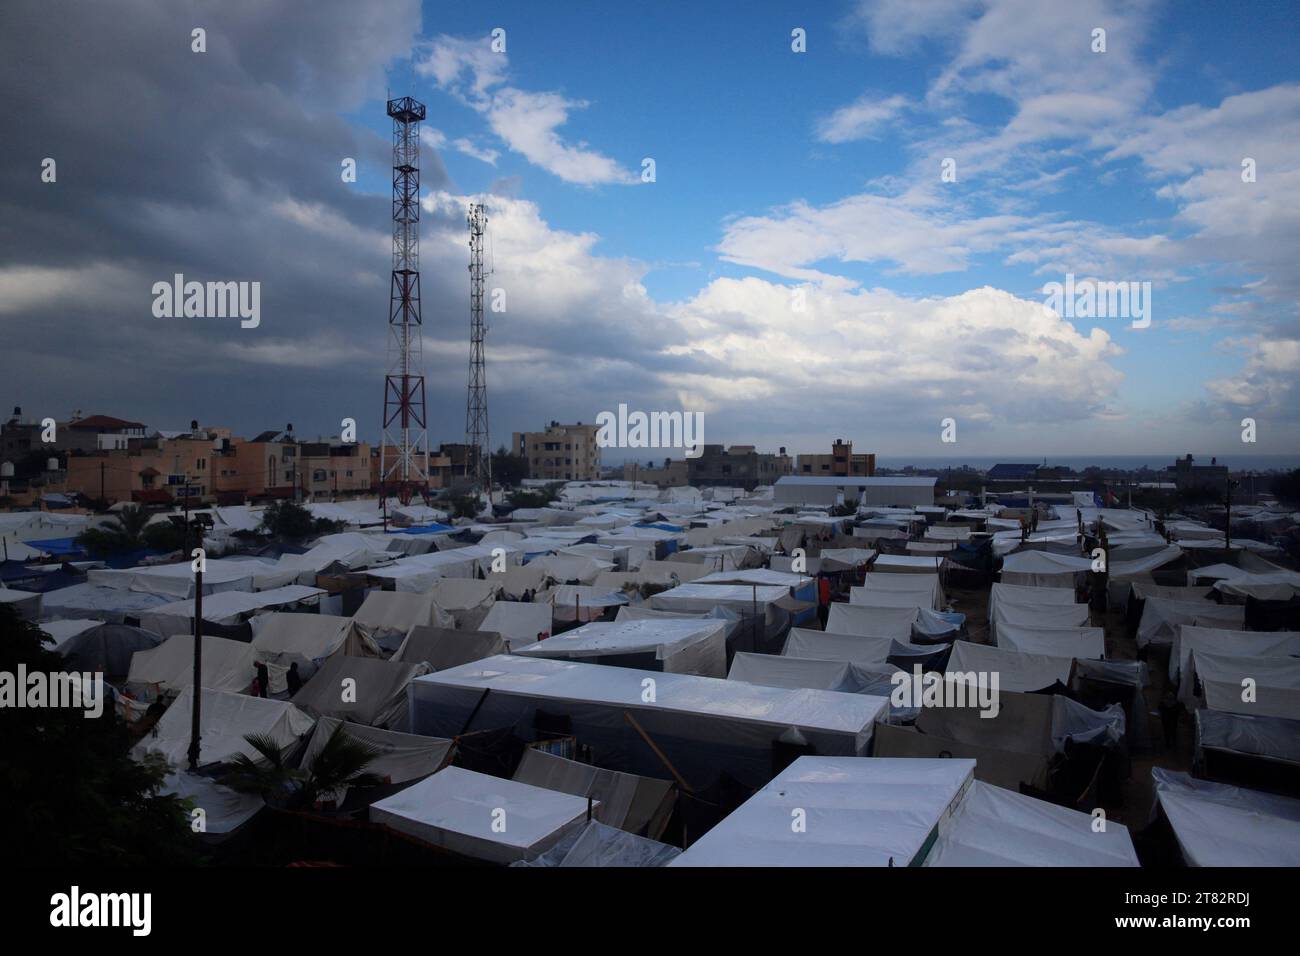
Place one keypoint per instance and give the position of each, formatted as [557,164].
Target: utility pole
[1227,517]
[198,663]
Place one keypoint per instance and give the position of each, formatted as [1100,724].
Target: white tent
[997,827]
[169,667]
[225,720]
[1040,615]
[778,670]
[900,623]
[1080,642]
[679,647]
[479,816]
[703,724]
[26,603]
[286,637]
[1019,595]
[1188,638]
[386,617]
[111,605]
[925,587]
[225,608]
[580,602]
[736,597]
[1016,671]
[518,622]
[177,580]
[828,811]
[1217,824]
[401,757]
[910,564]
[361,689]
[1251,685]
[1160,618]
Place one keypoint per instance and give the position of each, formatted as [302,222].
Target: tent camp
[743,599]
[466,599]
[703,725]
[459,810]
[1247,684]
[997,827]
[1026,596]
[773,670]
[679,647]
[598,845]
[900,623]
[1160,618]
[861,649]
[518,622]
[1217,824]
[386,617]
[1213,640]
[1038,615]
[859,812]
[225,720]
[441,648]
[876,587]
[169,667]
[359,689]
[111,605]
[1016,671]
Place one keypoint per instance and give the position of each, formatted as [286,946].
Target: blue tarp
[423,529]
[57,546]
[663,526]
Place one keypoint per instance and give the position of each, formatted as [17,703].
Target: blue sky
[777,173]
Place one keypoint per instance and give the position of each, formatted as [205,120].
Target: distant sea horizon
[1155,462]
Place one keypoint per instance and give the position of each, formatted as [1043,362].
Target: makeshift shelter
[900,623]
[284,638]
[1015,671]
[773,670]
[878,587]
[996,827]
[746,600]
[515,580]
[910,564]
[401,757]
[518,622]
[678,647]
[570,569]
[576,602]
[629,802]
[1039,615]
[362,690]
[441,648]
[481,817]
[1027,596]
[1161,618]
[865,650]
[386,617]
[225,810]
[1219,824]
[858,812]
[177,580]
[1248,750]
[101,648]
[225,720]
[1080,642]
[169,667]
[111,605]
[1213,640]
[1247,684]
[467,600]
[225,608]
[598,845]
[703,725]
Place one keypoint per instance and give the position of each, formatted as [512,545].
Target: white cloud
[860,120]
[527,122]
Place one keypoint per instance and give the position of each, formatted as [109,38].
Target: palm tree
[122,532]
[340,764]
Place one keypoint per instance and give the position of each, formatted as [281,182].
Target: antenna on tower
[478,450]
[404,445]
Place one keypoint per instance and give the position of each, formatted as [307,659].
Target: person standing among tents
[823,599]
[263,681]
[293,679]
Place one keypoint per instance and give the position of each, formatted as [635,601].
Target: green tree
[71,793]
[125,531]
[341,763]
[508,470]
[290,521]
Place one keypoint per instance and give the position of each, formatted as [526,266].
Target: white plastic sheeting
[225,607]
[910,564]
[926,586]
[1274,683]
[401,757]
[224,810]
[111,605]
[623,800]
[285,638]
[1019,595]
[704,725]
[996,827]
[360,689]
[1080,642]
[26,603]
[1161,618]
[680,646]
[1218,824]
[736,597]
[169,667]
[1215,640]
[225,720]
[899,623]
[578,602]
[462,811]
[1016,671]
[518,622]
[386,617]
[598,845]
[1040,615]
[177,580]
[855,648]
[868,811]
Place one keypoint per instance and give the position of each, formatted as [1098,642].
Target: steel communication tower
[404,449]
[479,463]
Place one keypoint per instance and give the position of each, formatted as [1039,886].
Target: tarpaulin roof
[682,646]
[459,810]
[1080,642]
[997,827]
[442,648]
[225,607]
[1217,824]
[866,811]
[401,757]
[360,689]
[225,719]
[227,664]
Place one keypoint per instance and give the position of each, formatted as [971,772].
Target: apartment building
[839,463]
[560,453]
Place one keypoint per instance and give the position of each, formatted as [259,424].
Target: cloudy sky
[799,269]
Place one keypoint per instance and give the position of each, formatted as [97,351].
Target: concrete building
[841,461]
[1190,476]
[560,453]
[738,466]
[883,492]
[668,474]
